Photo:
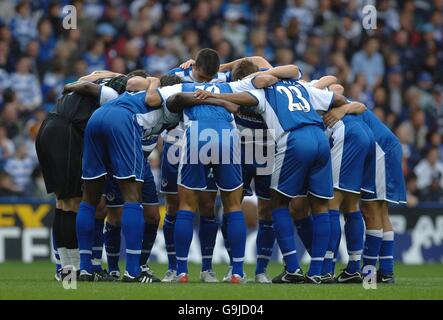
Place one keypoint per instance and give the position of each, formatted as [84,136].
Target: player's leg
[94,172]
[172,204]
[169,170]
[328,270]
[354,233]
[228,177]
[266,234]
[235,230]
[320,191]
[300,211]
[184,229]
[112,239]
[386,259]
[373,216]
[132,225]
[289,180]
[68,224]
[85,225]
[97,249]
[152,218]
[207,232]
[265,239]
[395,192]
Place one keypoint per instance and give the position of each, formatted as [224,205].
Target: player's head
[138,73]
[243,69]
[169,80]
[206,65]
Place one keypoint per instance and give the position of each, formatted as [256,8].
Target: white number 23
[297,103]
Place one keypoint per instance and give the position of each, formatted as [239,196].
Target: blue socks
[97,249]
[207,234]
[224,231]
[168,232]
[236,234]
[372,247]
[334,242]
[321,229]
[354,231]
[112,240]
[85,226]
[132,227]
[386,259]
[304,230]
[149,235]
[183,233]
[284,232]
[265,243]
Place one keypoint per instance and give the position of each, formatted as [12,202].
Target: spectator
[26,85]
[7,147]
[433,193]
[412,192]
[161,61]
[429,168]
[23,26]
[7,186]
[20,167]
[369,63]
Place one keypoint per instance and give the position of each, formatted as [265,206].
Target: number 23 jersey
[287,105]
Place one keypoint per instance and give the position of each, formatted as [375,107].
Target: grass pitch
[35,281]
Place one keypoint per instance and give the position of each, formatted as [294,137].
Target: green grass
[35,281]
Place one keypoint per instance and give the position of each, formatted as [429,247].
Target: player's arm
[153,98]
[325,82]
[260,62]
[289,71]
[179,101]
[96,75]
[341,107]
[83,87]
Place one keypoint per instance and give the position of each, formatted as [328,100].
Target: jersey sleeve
[166,92]
[106,94]
[259,95]
[242,85]
[321,99]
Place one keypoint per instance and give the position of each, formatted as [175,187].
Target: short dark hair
[138,73]
[243,69]
[208,61]
[170,80]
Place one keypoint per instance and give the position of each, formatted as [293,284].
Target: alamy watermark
[370,277]
[69,277]
[227,146]
[69,17]
[369,17]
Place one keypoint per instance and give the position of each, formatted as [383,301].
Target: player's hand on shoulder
[187,64]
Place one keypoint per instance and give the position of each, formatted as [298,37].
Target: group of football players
[234,129]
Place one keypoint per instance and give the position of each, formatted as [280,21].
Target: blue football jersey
[201,111]
[152,120]
[186,75]
[287,105]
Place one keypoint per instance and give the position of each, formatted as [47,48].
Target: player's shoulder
[181,72]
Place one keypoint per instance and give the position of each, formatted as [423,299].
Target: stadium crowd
[395,69]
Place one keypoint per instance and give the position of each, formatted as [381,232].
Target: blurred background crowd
[396,69]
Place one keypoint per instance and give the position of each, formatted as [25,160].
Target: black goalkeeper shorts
[59,149]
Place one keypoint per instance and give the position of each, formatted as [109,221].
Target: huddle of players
[313,179]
